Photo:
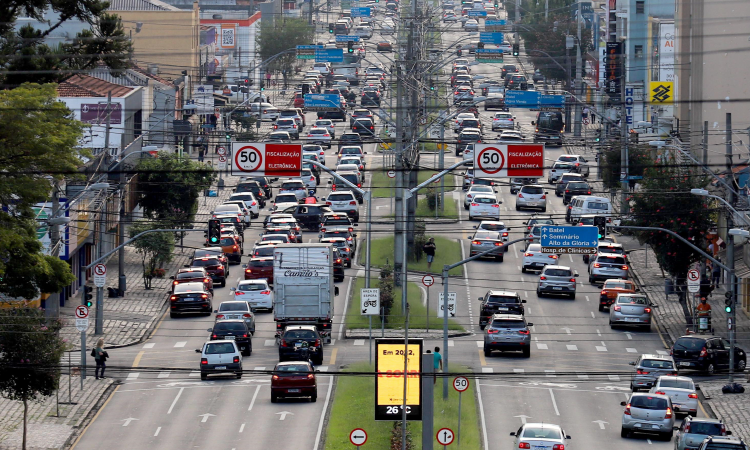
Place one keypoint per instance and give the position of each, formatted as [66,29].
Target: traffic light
[331,27]
[247,81]
[598,136]
[350,47]
[214,231]
[229,135]
[516,49]
[728,302]
[432,85]
[480,44]
[88,296]
[601,224]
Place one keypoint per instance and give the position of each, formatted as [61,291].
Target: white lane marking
[480,344]
[592,315]
[550,373]
[661,352]
[554,403]
[541,346]
[359,342]
[322,368]
[194,373]
[604,344]
[528,310]
[451,343]
[157,431]
[149,345]
[163,374]
[601,349]
[583,377]
[259,368]
[630,336]
[649,441]
[519,267]
[599,333]
[174,402]
[180,344]
[269,342]
[571,257]
[518,370]
[133,375]
[323,414]
[333,341]
[613,377]
[481,414]
[587,298]
[242,427]
[346,304]
[631,350]
[252,402]
[486,370]
[572,347]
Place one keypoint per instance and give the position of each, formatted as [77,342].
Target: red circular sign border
[479,159]
[467,384]
[237,154]
[352,432]
[453,438]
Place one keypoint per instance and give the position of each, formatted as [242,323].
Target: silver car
[474,190]
[648,413]
[682,392]
[534,259]
[503,120]
[557,280]
[606,266]
[540,436]
[693,431]
[494,225]
[558,169]
[487,240]
[648,368]
[631,309]
[508,332]
[531,196]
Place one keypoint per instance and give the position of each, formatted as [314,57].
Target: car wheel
[667,436]
[319,360]
[204,376]
[239,375]
[710,369]
[624,433]
[499,258]
[518,208]
[601,307]
[349,265]
[487,352]
[314,397]
[538,293]
[172,315]
[544,209]
[591,280]
[741,365]
[245,352]
[224,282]
[274,398]
[466,207]
[527,352]
[573,296]
[523,270]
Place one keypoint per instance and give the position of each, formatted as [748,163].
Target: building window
[640,7]
[638,51]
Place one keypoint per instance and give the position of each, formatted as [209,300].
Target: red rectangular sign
[526,160]
[283,160]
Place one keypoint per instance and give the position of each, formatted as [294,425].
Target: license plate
[557,288]
[655,427]
[502,309]
[231,338]
[532,203]
[297,344]
[484,213]
[684,363]
[631,319]
[189,299]
[293,391]
[220,367]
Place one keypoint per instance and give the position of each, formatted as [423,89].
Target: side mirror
[480,298]
[244,266]
[197,350]
[523,301]
[171,277]
[675,428]
[623,403]
[522,250]
[532,122]
[632,363]
[637,289]
[356,224]
[365,153]
[576,274]
[546,193]
[335,290]
[210,330]
[697,386]
[330,182]
[232,289]
[469,238]
[320,236]
[186,265]
[512,433]
[654,306]
[567,437]
[729,433]
[529,324]
[216,311]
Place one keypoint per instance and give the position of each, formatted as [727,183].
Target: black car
[564,180]
[213,266]
[338,265]
[370,98]
[350,139]
[575,188]
[336,114]
[508,68]
[256,188]
[308,215]
[465,138]
[190,298]
[706,353]
[265,183]
[517,82]
[499,302]
[291,343]
[364,126]
[236,330]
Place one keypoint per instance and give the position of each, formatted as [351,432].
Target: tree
[155,248]
[38,145]
[25,57]
[639,160]
[275,37]
[666,202]
[30,352]
[169,187]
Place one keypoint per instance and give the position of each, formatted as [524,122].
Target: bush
[396,437]
[419,240]
[433,199]
[386,286]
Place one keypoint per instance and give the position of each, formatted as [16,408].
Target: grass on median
[448,252]
[383,187]
[353,407]
[424,211]
[417,316]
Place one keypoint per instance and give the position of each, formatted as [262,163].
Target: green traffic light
[213,239]
[89,303]
[728,309]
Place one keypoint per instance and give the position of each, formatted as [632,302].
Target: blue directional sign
[492,38]
[494,23]
[522,99]
[322,102]
[307,51]
[551,101]
[568,239]
[489,55]
[330,55]
[361,12]
[347,38]
[476,13]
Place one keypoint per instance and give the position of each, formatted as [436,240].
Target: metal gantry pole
[579,78]
[732,288]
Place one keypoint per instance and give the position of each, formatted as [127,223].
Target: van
[589,204]
[548,127]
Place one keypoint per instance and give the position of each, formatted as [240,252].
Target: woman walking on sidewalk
[100,355]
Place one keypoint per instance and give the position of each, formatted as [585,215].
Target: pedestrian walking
[100,356]
[201,153]
[429,250]
[585,112]
[715,275]
[438,360]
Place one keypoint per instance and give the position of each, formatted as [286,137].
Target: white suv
[344,201]
[220,357]
[580,162]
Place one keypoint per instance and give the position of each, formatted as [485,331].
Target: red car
[214,267]
[294,379]
[193,274]
[260,268]
[299,100]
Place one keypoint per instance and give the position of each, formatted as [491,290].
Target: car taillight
[617,308]
[524,445]
[498,244]
[603,292]
[505,234]
[521,196]
[693,395]
[703,352]
[567,191]
[589,192]
[544,197]
[204,361]
[648,310]
[491,331]
[213,336]
[627,409]
[351,229]
[234,247]
[624,267]
[572,280]
[528,254]
[558,447]
[236,359]
[475,204]
[359,185]
[552,256]
[253,203]
[660,393]
[220,316]
[668,414]
[265,292]
[495,205]
[175,283]
[338,261]
[642,372]
[275,127]
[542,277]
[284,344]
[310,376]
[476,243]
[275,377]
[597,265]
[524,331]
[248,270]
[333,187]
[204,296]
[173,298]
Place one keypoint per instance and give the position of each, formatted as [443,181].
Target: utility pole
[518,12]
[579,77]
[99,321]
[624,170]
[400,220]
[705,143]
[546,9]
[52,308]
[732,288]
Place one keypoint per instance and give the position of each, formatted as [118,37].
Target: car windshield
[676,383]
[508,324]
[229,326]
[610,260]
[492,226]
[485,200]
[535,190]
[632,300]
[618,284]
[318,131]
[340,197]
[706,429]
[261,262]
[206,262]
[250,287]
[189,275]
[222,347]
[648,402]
[226,241]
[286,198]
[503,299]
[577,185]
[689,344]
[188,287]
[557,273]
[562,166]
[293,368]
[264,251]
[300,334]
[567,158]
[657,364]
[275,237]
[233,306]
[290,186]
[541,433]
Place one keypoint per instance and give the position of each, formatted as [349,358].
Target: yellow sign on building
[661,92]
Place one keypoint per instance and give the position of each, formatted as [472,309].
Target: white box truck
[303,287]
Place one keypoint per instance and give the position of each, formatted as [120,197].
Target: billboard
[389,383]
[508,160]
[666,51]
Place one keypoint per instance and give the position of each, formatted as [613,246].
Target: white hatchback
[476,190]
[256,293]
[319,136]
[484,205]
[534,259]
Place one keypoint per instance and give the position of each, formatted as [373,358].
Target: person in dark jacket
[100,355]
[429,250]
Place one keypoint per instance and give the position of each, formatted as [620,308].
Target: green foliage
[277,36]
[386,285]
[155,248]
[419,239]
[245,123]
[30,352]
[169,187]
[25,56]
[639,160]
[38,138]
[666,202]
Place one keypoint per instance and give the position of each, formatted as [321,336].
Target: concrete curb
[360,333]
[663,330]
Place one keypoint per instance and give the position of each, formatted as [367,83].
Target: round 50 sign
[490,160]
[248,159]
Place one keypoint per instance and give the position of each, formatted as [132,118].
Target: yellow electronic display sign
[389,383]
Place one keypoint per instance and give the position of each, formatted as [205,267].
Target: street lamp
[704,193]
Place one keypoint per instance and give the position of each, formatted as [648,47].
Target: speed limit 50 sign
[508,160]
[262,159]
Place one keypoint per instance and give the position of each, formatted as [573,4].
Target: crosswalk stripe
[480,344]
[261,368]
[631,350]
[451,343]
[599,348]
[662,352]
[485,370]
[572,347]
[518,370]
[541,346]
[583,377]
[163,374]
[359,342]
[149,345]
[133,375]
[613,377]
[180,344]
[550,373]
[194,373]
[322,368]
[269,342]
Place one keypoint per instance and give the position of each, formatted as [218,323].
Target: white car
[220,357]
[289,125]
[319,136]
[483,205]
[540,436]
[681,390]
[558,169]
[461,117]
[256,293]
[266,110]
[344,201]
[580,162]
[503,120]
[356,160]
[246,213]
[327,124]
[506,47]
[309,179]
[250,202]
[476,190]
[534,259]
[471,25]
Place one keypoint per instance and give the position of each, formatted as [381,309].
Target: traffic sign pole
[428,280]
[460,384]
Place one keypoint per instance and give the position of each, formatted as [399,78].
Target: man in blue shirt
[438,359]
